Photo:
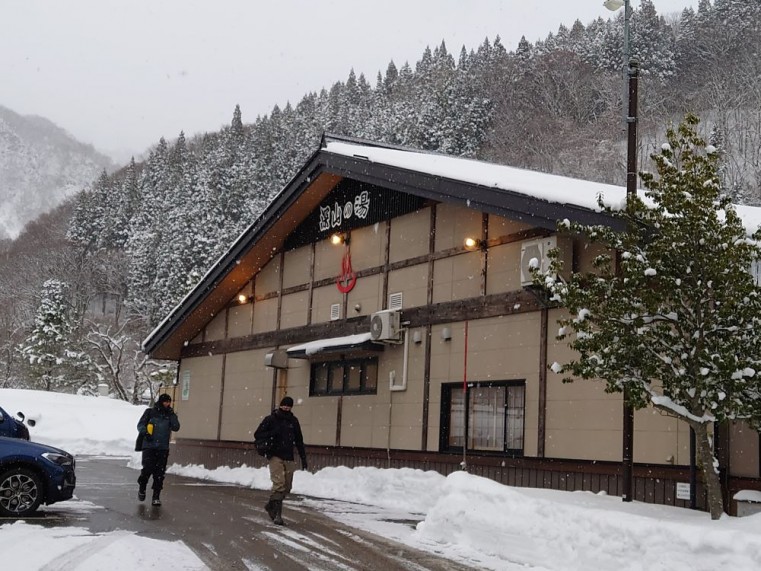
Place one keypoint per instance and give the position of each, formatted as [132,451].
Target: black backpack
[264,445]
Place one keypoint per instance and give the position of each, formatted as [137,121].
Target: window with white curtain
[494,420]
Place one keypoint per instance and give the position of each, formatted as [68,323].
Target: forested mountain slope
[145,234]
[40,165]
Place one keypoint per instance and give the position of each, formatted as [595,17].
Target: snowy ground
[462,517]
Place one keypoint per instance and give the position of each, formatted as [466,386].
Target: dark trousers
[154,464]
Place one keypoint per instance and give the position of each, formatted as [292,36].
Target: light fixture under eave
[338,238]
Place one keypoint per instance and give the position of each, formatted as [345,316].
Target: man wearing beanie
[156,425]
[282,428]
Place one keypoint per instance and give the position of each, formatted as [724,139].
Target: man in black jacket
[156,425]
[284,430]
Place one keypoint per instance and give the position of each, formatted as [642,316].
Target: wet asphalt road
[226,526]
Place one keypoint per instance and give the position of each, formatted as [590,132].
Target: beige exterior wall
[296,266]
[199,415]
[366,297]
[457,277]
[240,320]
[583,422]
[410,235]
[215,330]
[500,226]
[268,279]
[660,439]
[412,282]
[503,263]
[586,423]
[322,299]
[265,315]
[327,263]
[294,310]
[454,224]
[247,394]
[368,247]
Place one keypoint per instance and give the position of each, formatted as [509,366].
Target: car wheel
[20,492]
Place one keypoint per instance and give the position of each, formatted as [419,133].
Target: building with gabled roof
[387,291]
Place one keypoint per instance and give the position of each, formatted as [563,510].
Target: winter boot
[270,507]
[156,500]
[141,489]
[278,519]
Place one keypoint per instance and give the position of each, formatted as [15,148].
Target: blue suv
[32,474]
[13,428]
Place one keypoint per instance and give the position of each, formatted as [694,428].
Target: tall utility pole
[631,192]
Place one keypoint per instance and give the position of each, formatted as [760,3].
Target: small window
[320,378]
[336,377]
[353,376]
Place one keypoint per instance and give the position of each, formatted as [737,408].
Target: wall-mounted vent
[395,300]
[335,311]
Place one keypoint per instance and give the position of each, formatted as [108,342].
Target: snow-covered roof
[551,188]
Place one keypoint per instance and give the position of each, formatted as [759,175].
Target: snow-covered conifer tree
[675,317]
[47,347]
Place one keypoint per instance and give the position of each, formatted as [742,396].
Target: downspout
[392,388]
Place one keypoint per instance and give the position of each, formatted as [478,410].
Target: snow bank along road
[226,526]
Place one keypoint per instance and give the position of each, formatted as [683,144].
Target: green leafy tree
[674,315]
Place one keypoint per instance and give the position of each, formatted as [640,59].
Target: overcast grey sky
[120,74]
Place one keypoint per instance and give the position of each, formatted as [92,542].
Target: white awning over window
[334,344]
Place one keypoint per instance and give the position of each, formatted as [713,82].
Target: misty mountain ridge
[40,166]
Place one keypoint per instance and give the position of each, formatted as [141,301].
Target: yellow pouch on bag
[149,429]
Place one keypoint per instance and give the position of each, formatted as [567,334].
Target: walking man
[284,430]
[156,425]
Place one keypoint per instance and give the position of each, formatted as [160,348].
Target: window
[354,376]
[492,413]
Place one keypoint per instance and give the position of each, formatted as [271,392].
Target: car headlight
[59,459]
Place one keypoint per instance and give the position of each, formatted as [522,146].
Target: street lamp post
[614,5]
[631,72]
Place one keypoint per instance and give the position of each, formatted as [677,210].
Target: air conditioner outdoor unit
[537,251]
[385,326]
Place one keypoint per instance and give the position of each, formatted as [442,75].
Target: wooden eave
[255,247]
